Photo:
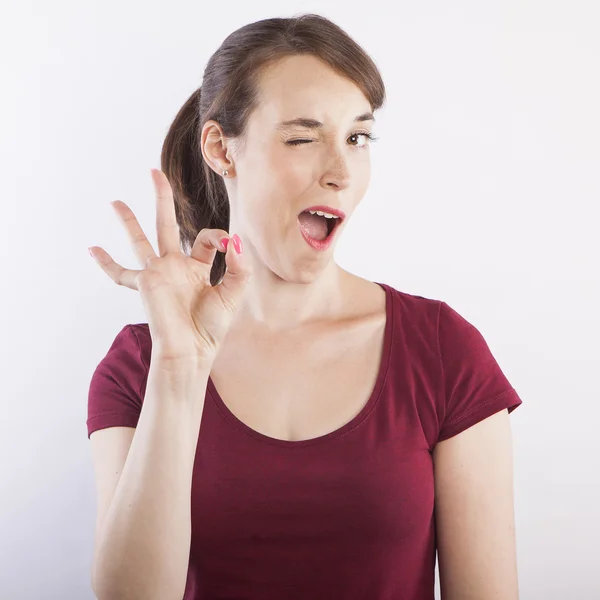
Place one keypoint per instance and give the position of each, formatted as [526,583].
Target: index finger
[167,230]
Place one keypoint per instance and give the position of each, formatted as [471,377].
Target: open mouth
[318,225]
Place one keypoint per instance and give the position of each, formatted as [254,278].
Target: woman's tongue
[314,225]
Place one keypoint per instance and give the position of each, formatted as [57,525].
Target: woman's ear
[214,148]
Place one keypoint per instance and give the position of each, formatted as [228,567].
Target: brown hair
[229,94]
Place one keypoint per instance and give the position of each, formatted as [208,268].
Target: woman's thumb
[238,271]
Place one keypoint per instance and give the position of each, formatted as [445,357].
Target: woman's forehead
[289,96]
[306,75]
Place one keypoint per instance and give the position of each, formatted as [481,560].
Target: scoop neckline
[344,429]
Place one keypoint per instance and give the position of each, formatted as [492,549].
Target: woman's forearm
[144,543]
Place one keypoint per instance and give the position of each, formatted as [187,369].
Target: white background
[484,194]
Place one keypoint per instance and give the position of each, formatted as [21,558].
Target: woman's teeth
[322,214]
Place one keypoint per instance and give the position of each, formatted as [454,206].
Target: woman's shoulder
[412,304]
[144,339]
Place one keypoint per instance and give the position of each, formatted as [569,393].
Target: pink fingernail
[90,251]
[237,243]
[224,241]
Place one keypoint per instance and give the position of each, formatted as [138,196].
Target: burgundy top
[349,514]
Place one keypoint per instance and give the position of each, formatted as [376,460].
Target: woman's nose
[337,175]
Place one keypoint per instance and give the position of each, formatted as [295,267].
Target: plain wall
[484,193]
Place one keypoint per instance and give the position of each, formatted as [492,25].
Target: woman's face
[277,176]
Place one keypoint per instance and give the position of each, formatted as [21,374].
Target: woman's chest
[301,387]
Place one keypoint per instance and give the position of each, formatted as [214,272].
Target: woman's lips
[338,212]
[323,244]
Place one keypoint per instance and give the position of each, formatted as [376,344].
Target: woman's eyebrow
[314,124]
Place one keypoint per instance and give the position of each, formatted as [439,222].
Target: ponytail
[200,195]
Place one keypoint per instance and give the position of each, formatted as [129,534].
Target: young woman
[281,428]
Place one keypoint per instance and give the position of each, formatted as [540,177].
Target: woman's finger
[206,244]
[167,230]
[120,275]
[239,271]
[141,246]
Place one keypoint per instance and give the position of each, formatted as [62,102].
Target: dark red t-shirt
[347,515]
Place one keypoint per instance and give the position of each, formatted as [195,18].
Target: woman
[348,429]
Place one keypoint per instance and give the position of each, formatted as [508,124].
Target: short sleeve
[474,385]
[114,397]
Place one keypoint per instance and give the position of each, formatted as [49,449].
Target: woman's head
[263,74]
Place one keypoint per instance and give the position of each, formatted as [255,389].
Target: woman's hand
[187,316]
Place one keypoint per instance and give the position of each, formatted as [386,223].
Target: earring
[225,173]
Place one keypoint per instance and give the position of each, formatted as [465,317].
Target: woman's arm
[474,508]
[143,541]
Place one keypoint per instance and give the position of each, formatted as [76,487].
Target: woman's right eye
[297,142]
